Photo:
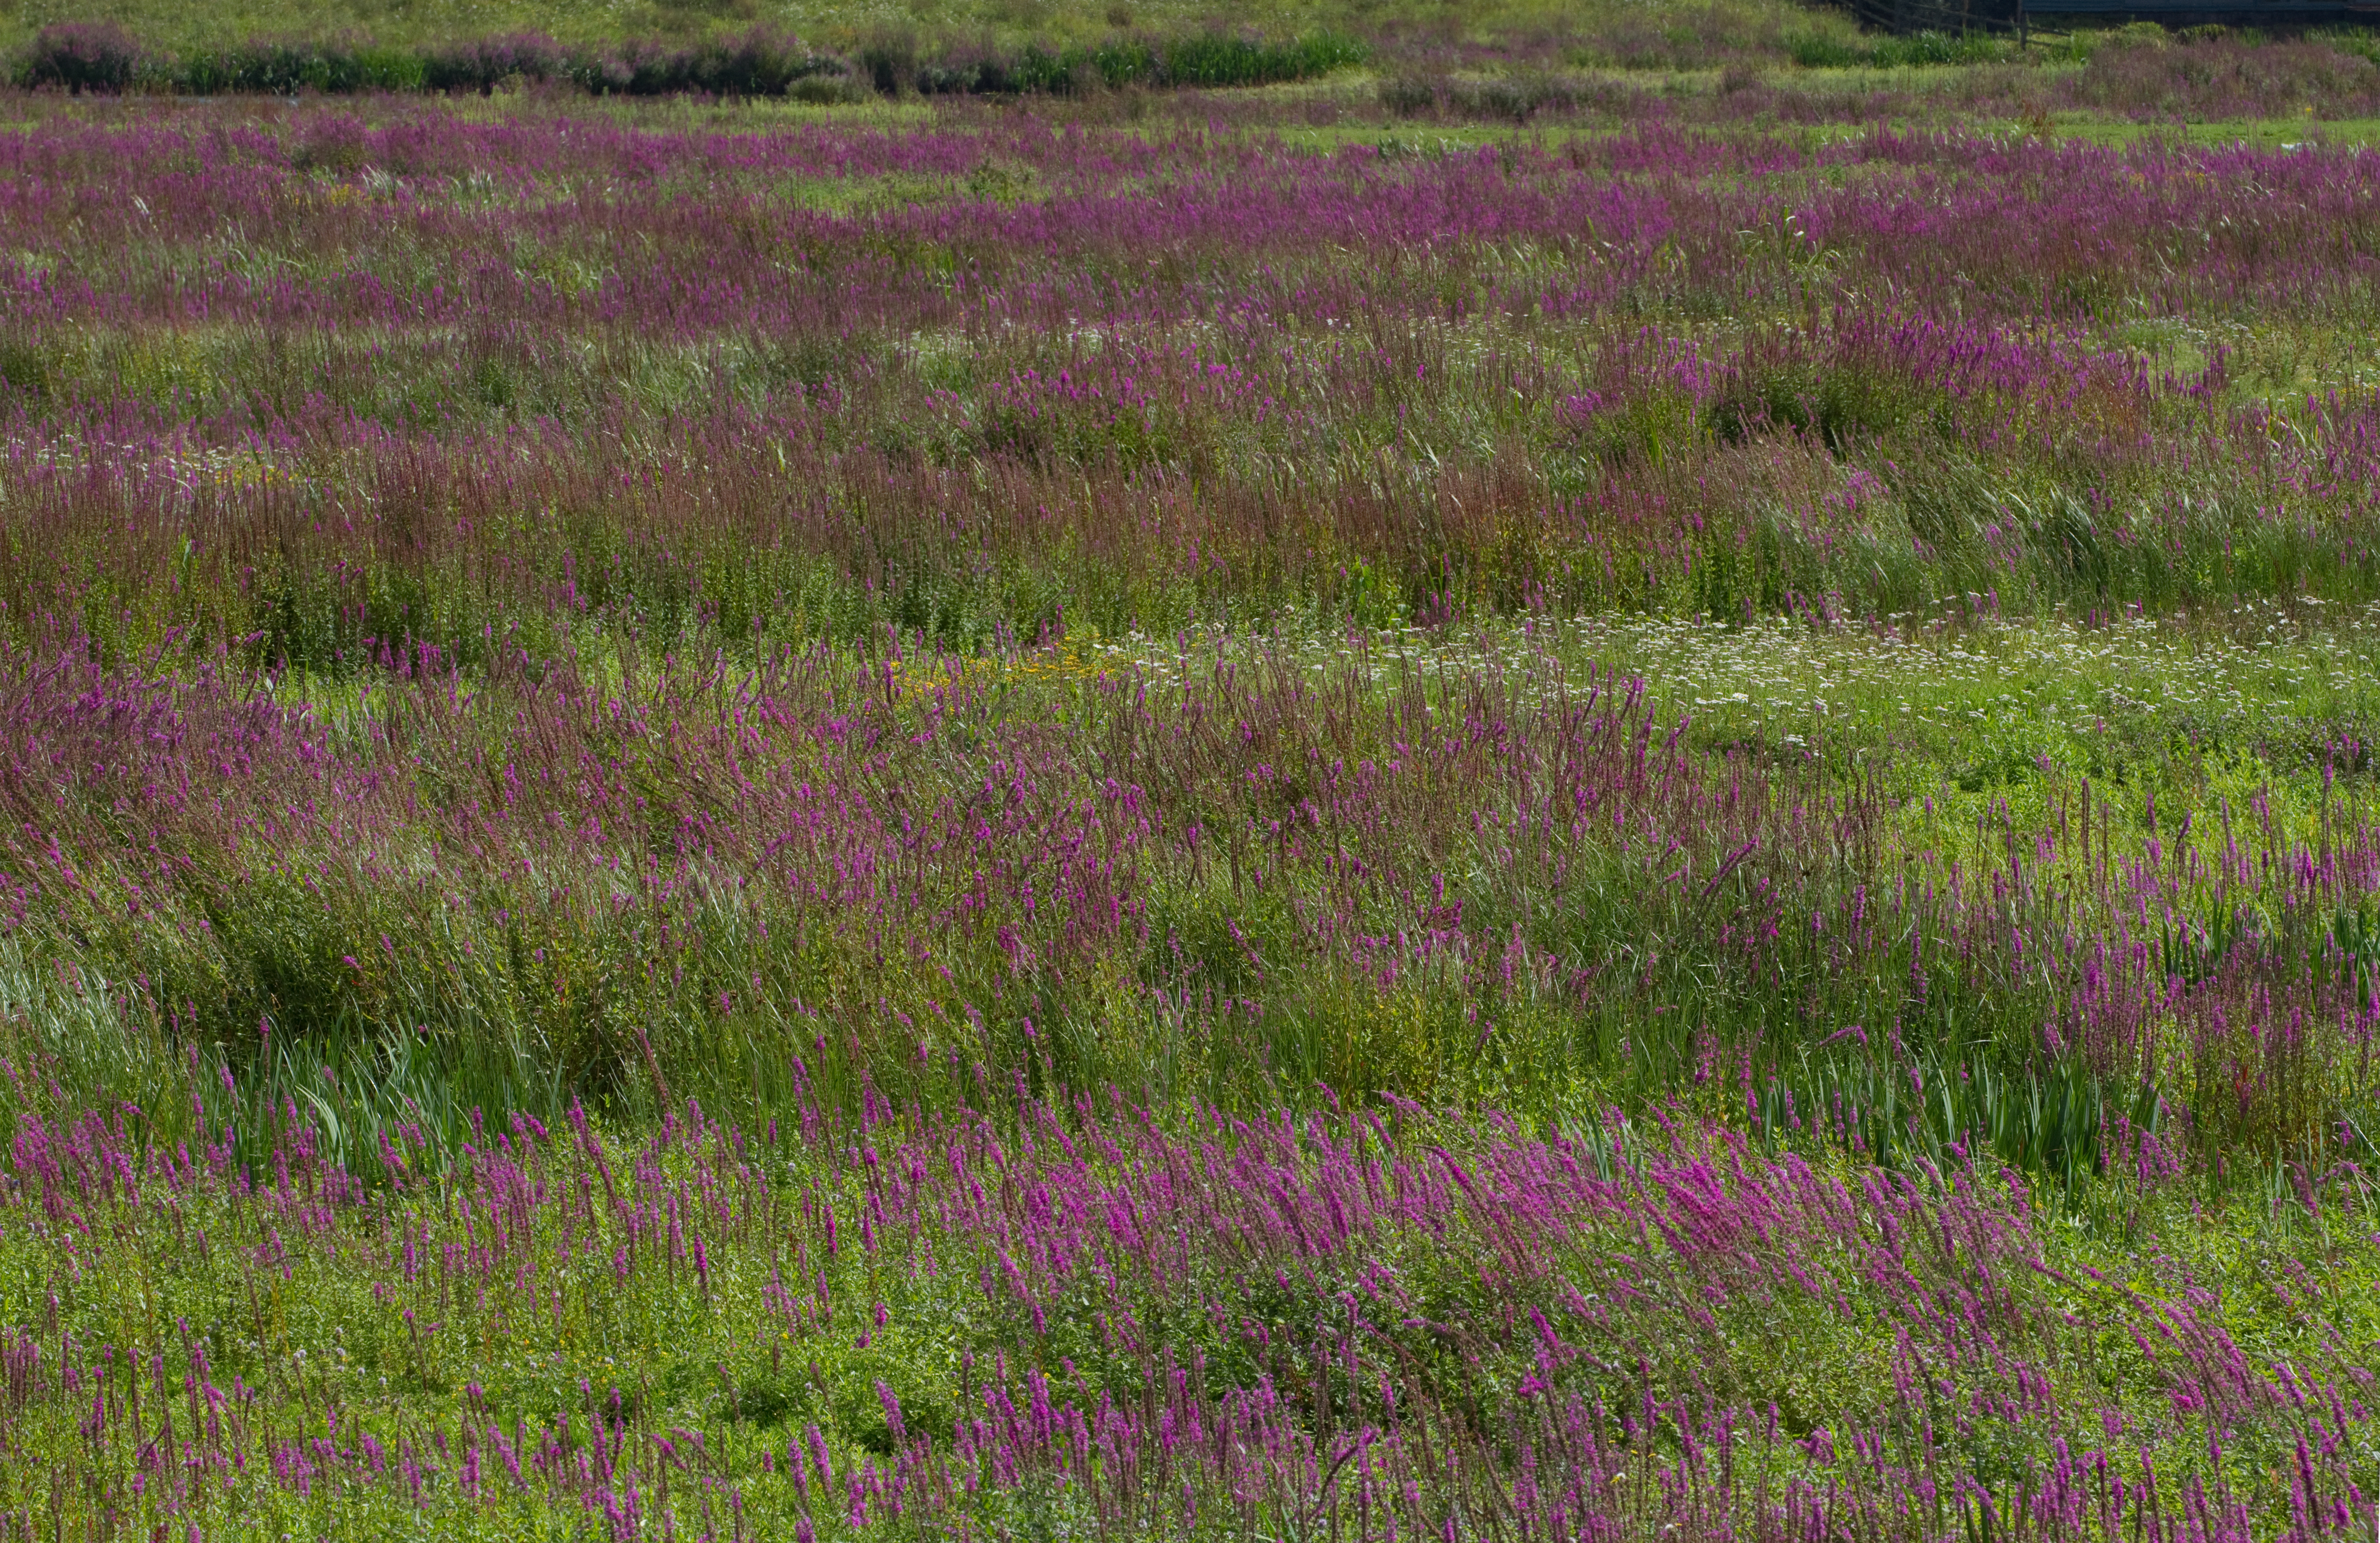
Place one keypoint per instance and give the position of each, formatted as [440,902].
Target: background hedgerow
[1613,32]
[103,57]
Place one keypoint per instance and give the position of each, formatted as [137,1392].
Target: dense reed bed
[945,377]
[1233,878]
[1219,818]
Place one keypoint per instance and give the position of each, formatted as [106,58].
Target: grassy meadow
[1608,775]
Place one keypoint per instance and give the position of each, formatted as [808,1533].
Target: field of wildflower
[1519,795]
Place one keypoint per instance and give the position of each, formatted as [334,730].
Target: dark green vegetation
[103,60]
[1675,31]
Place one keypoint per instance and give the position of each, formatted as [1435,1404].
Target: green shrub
[1816,51]
[1813,51]
[83,56]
